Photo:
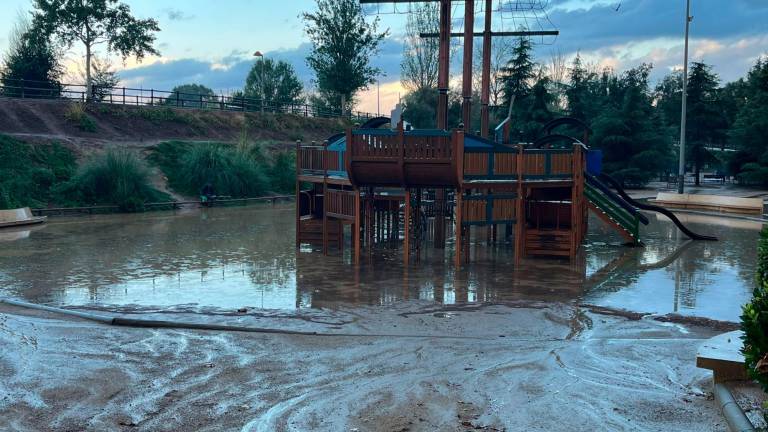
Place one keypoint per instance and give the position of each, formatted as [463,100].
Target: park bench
[719,177]
[722,355]
[719,203]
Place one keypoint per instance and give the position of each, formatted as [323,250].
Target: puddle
[246,257]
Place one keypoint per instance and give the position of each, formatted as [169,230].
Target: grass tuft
[116,177]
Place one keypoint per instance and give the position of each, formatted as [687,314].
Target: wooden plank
[722,355]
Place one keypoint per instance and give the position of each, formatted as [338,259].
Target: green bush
[77,114]
[116,177]
[244,170]
[29,173]
[189,166]
[282,173]
[754,319]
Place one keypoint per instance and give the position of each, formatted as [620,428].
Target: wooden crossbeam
[499,33]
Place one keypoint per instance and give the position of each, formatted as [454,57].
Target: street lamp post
[261,78]
[681,173]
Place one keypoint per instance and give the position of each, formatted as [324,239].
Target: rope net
[508,16]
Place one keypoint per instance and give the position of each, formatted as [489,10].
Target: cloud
[229,72]
[177,14]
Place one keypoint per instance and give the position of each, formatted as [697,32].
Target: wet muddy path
[549,345]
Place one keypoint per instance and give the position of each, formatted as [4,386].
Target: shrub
[753,174]
[115,177]
[754,320]
[283,172]
[29,173]
[76,114]
[232,173]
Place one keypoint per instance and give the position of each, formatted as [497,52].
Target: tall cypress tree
[519,72]
[31,60]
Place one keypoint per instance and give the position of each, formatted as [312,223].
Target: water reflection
[246,257]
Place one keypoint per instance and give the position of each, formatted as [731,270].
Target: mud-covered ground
[412,366]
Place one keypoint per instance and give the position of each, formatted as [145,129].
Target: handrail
[593,181]
[30,89]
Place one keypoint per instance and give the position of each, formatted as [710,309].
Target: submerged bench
[18,217]
[719,203]
[722,355]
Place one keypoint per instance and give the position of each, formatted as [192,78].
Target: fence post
[151,97]
[123,95]
[22,88]
[201,101]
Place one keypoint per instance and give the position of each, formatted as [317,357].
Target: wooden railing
[316,160]
[311,159]
[376,143]
[517,163]
[340,203]
[489,209]
[416,145]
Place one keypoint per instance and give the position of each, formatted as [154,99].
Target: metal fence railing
[151,97]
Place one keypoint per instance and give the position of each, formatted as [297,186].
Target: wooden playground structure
[393,186]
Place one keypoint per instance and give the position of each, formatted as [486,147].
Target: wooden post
[520,218]
[407,227]
[325,218]
[325,199]
[485,95]
[469,30]
[443,64]
[439,218]
[356,228]
[458,229]
[298,194]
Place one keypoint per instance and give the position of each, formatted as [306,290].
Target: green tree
[275,83]
[751,126]
[32,58]
[706,123]
[520,71]
[583,94]
[628,129]
[342,46]
[191,96]
[418,69]
[96,22]
[536,112]
[103,78]
[669,99]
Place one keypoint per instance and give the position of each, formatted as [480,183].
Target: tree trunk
[697,170]
[343,105]
[88,83]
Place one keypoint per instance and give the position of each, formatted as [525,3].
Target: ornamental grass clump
[115,177]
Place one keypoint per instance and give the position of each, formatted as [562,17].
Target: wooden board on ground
[18,217]
[722,355]
[719,203]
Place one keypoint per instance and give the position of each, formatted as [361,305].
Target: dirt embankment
[52,120]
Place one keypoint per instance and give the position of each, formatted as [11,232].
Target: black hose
[610,180]
[145,323]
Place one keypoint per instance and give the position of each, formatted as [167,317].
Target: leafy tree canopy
[274,82]
[342,45]
[94,23]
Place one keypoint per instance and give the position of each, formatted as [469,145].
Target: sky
[212,42]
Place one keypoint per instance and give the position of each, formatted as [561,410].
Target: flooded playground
[234,258]
[386,347]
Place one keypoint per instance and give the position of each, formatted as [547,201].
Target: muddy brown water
[245,257]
